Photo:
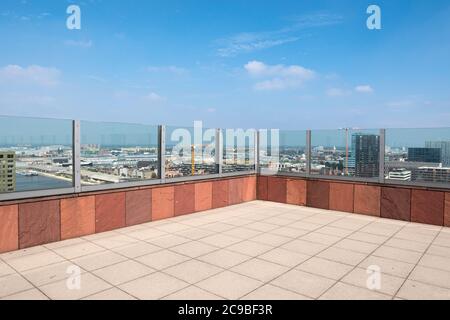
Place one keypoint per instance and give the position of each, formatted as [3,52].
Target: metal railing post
[382,155]
[308,153]
[257,152]
[162,153]
[219,151]
[76,157]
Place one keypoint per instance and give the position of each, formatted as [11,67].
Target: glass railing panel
[35,154]
[238,150]
[118,152]
[283,151]
[190,151]
[345,153]
[418,155]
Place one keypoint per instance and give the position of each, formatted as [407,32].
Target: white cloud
[336,92]
[364,89]
[80,43]
[279,76]
[154,97]
[211,110]
[30,75]
[246,42]
[167,69]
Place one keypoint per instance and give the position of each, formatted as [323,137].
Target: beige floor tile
[333,231]
[115,241]
[110,294]
[5,269]
[321,238]
[430,276]
[342,291]
[98,260]
[12,284]
[414,236]
[349,224]
[439,251]
[135,250]
[325,268]
[195,234]
[271,239]
[173,227]
[398,254]
[147,233]
[443,240]
[32,294]
[413,290]
[270,292]
[303,283]
[162,259]
[48,274]
[123,272]
[220,240]
[64,243]
[218,227]
[367,237]
[260,269]
[224,258]
[193,249]
[192,293]
[154,286]
[229,285]
[436,262]
[305,226]
[89,285]
[321,219]
[36,260]
[342,255]
[284,257]
[250,248]
[388,266]
[360,277]
[261,226]
[23,252]
[381,229]
[304,247]
[193,271]
[357,246]
[407,245]
[78,250]
[289,232]
[168,241]
[242,233]
[278,221]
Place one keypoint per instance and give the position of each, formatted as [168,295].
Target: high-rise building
[445,150]
[432,155]
[364,160]
[7,171]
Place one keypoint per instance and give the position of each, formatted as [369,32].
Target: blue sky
[277,64]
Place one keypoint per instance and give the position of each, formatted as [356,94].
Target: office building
[432,155]
[7,171]
[445,150]
[364,160]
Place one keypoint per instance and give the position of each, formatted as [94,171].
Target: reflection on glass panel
[238,150]
[190,151]
[118,152]
[418,155]
[35,154]
[292,151]
[345,152]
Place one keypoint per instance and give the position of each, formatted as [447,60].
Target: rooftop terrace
[255,250]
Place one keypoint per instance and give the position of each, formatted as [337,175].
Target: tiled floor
[256,250]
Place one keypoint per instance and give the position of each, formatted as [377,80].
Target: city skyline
[283,66]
